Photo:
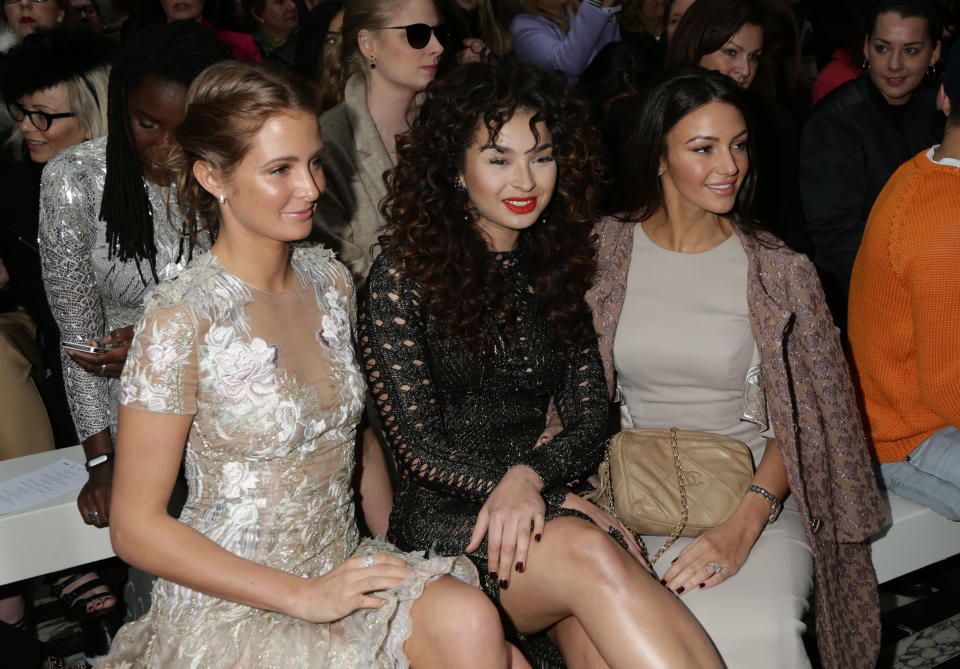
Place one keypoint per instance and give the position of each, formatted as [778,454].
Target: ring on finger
[92,515]
[717,568]
[103,369]
[367,560]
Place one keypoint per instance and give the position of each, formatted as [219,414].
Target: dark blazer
[814,416]
[852,144]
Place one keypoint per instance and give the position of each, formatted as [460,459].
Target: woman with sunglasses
[55,84]
[390,52]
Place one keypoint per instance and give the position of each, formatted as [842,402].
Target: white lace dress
[276,395]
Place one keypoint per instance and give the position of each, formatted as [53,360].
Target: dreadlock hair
[172,53]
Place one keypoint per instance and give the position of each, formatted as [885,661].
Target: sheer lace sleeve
[582,403]
[160,374]
[392,338]
[66,239]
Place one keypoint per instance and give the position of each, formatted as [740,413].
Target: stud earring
[660,173]
[222,198]
[459,187]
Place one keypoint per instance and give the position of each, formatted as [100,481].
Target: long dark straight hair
[675,94]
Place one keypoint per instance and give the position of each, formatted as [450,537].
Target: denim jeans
[930,474]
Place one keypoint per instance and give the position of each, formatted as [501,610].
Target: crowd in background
[836,97]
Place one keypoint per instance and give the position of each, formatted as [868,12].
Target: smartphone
[85,348]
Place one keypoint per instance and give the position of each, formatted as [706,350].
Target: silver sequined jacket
[89,294]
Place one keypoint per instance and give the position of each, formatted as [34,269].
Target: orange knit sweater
[904,320]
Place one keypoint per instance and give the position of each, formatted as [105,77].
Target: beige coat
[816,421]
[347,218]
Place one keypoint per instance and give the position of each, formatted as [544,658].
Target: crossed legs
[604,609]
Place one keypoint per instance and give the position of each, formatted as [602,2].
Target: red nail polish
[536,537]
[703,585]
[519,567]
[504,584]
[680,590]
[663,581]
[493,575]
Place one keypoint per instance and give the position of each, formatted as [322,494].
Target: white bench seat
[49,536]
[916,537]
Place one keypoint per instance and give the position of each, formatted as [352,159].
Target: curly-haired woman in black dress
[473,319]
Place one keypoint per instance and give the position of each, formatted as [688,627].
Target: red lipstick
[520,205]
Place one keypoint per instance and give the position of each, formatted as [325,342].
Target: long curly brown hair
[430,223]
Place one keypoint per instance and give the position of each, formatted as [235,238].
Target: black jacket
[852,144]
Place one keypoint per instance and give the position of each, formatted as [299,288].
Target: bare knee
[475,621]
[601,560]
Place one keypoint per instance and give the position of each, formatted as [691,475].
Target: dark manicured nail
[519,567]
[674,559]
[663,581]
[703,585]
[680,590]
[536,537]
[493,575]
[504,584]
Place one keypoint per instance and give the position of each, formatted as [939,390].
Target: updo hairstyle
[226,107]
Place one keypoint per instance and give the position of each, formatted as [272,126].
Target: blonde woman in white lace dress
[244,364]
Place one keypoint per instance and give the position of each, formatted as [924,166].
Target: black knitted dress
[457,420]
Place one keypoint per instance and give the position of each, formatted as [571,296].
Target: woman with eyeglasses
[55,84]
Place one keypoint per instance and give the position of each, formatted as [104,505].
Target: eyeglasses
[41,120]
[418,34]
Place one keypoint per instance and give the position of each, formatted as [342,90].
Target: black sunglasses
[41,120]
[418,34]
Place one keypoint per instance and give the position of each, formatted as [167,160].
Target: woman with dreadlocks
[107,234]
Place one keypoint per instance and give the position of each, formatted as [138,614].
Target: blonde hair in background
[90,106]
[510,8]
[363,15]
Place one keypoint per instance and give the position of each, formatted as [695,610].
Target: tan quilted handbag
[673,482]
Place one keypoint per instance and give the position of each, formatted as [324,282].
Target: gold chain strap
[603,497]
[684,511]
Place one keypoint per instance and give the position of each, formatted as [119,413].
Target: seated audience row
[485,378]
